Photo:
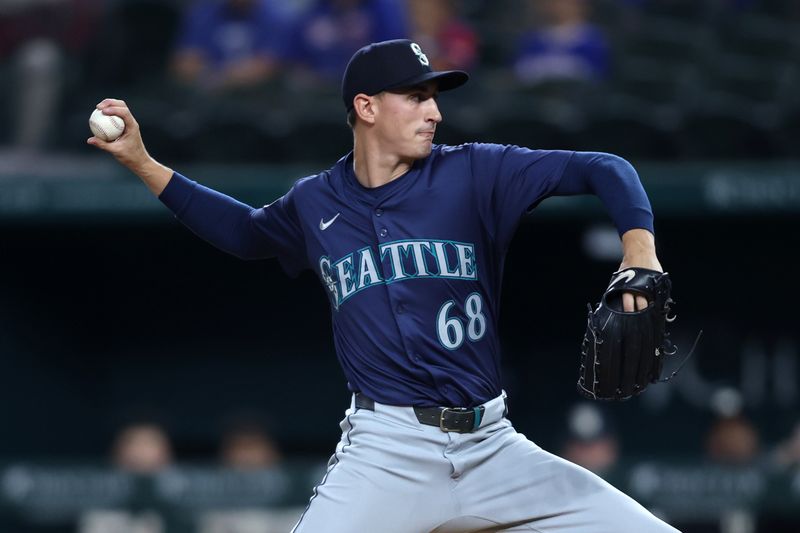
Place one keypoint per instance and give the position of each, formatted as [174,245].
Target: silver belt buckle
[441,421]
[455,410]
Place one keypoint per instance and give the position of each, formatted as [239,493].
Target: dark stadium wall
[101,324]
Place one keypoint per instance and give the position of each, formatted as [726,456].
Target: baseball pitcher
[408,239]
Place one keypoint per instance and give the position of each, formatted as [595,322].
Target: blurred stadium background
[149,383]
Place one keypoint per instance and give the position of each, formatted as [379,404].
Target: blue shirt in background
[580,52]
[329,34]
[224,34]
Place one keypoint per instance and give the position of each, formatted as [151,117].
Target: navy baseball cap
[393,65]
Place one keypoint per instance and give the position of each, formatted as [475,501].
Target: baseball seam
[100,128]
[106,136]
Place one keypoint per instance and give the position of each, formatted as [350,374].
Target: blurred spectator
[590,441]
[681,6]
[227,44]
[787,453]
[332,30]
[37,37]
[247,446]
[248,449]
[448,40]
[142,448]
[112,521]
[733,440]
[564,44]
[138,448]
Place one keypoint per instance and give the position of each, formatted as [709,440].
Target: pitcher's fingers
[98,143]
[122,112]
[628,302]
[641,302]
[111,102]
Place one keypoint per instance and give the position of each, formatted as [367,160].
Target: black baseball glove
[623,352]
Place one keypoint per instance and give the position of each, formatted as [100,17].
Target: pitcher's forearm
[639,250]
[155,175]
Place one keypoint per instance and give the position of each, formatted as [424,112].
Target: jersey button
[401,309]
[378,212]
[417,358]
[384,232]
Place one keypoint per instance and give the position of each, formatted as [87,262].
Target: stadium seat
[6,97]
[687,10]
[763,36]
[756,79]
[781,9]
[652,80]
[236,138]
[629,136]
[718,133]
[498,29]
[668,39]
[533,129]
[321,139]
[453,132]
[134,44]
[789,135]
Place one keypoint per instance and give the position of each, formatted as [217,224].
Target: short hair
[351,118]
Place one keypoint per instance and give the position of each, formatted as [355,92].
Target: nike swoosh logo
[626,275]
[325,225]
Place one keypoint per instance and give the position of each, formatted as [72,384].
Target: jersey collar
[376,195]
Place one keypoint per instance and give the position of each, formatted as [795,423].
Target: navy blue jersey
[413,268]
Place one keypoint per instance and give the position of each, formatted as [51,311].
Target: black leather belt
[455,419]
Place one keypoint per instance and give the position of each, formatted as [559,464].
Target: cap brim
[446,80]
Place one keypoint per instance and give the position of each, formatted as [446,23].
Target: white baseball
[106,127]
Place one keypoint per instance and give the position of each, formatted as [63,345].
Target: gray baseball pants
[391,474]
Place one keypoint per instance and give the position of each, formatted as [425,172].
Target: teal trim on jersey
[457,319]
[352,262]
[343,284]
[358,289]
[361,275]
[406,251]
[384,282]
[466,335]
[474,273]
[432,276]
[432,251]
[469,245]
[386,248]
[469,317]
[328,280]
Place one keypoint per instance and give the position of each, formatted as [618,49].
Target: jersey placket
[381,222]
[381,217]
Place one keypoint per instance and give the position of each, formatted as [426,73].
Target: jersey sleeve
[512,180]
[237,228]
[613,180]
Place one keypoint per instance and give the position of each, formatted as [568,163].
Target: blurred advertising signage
[753,191]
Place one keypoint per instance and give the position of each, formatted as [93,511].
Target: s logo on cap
[421,56]
[387,65]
